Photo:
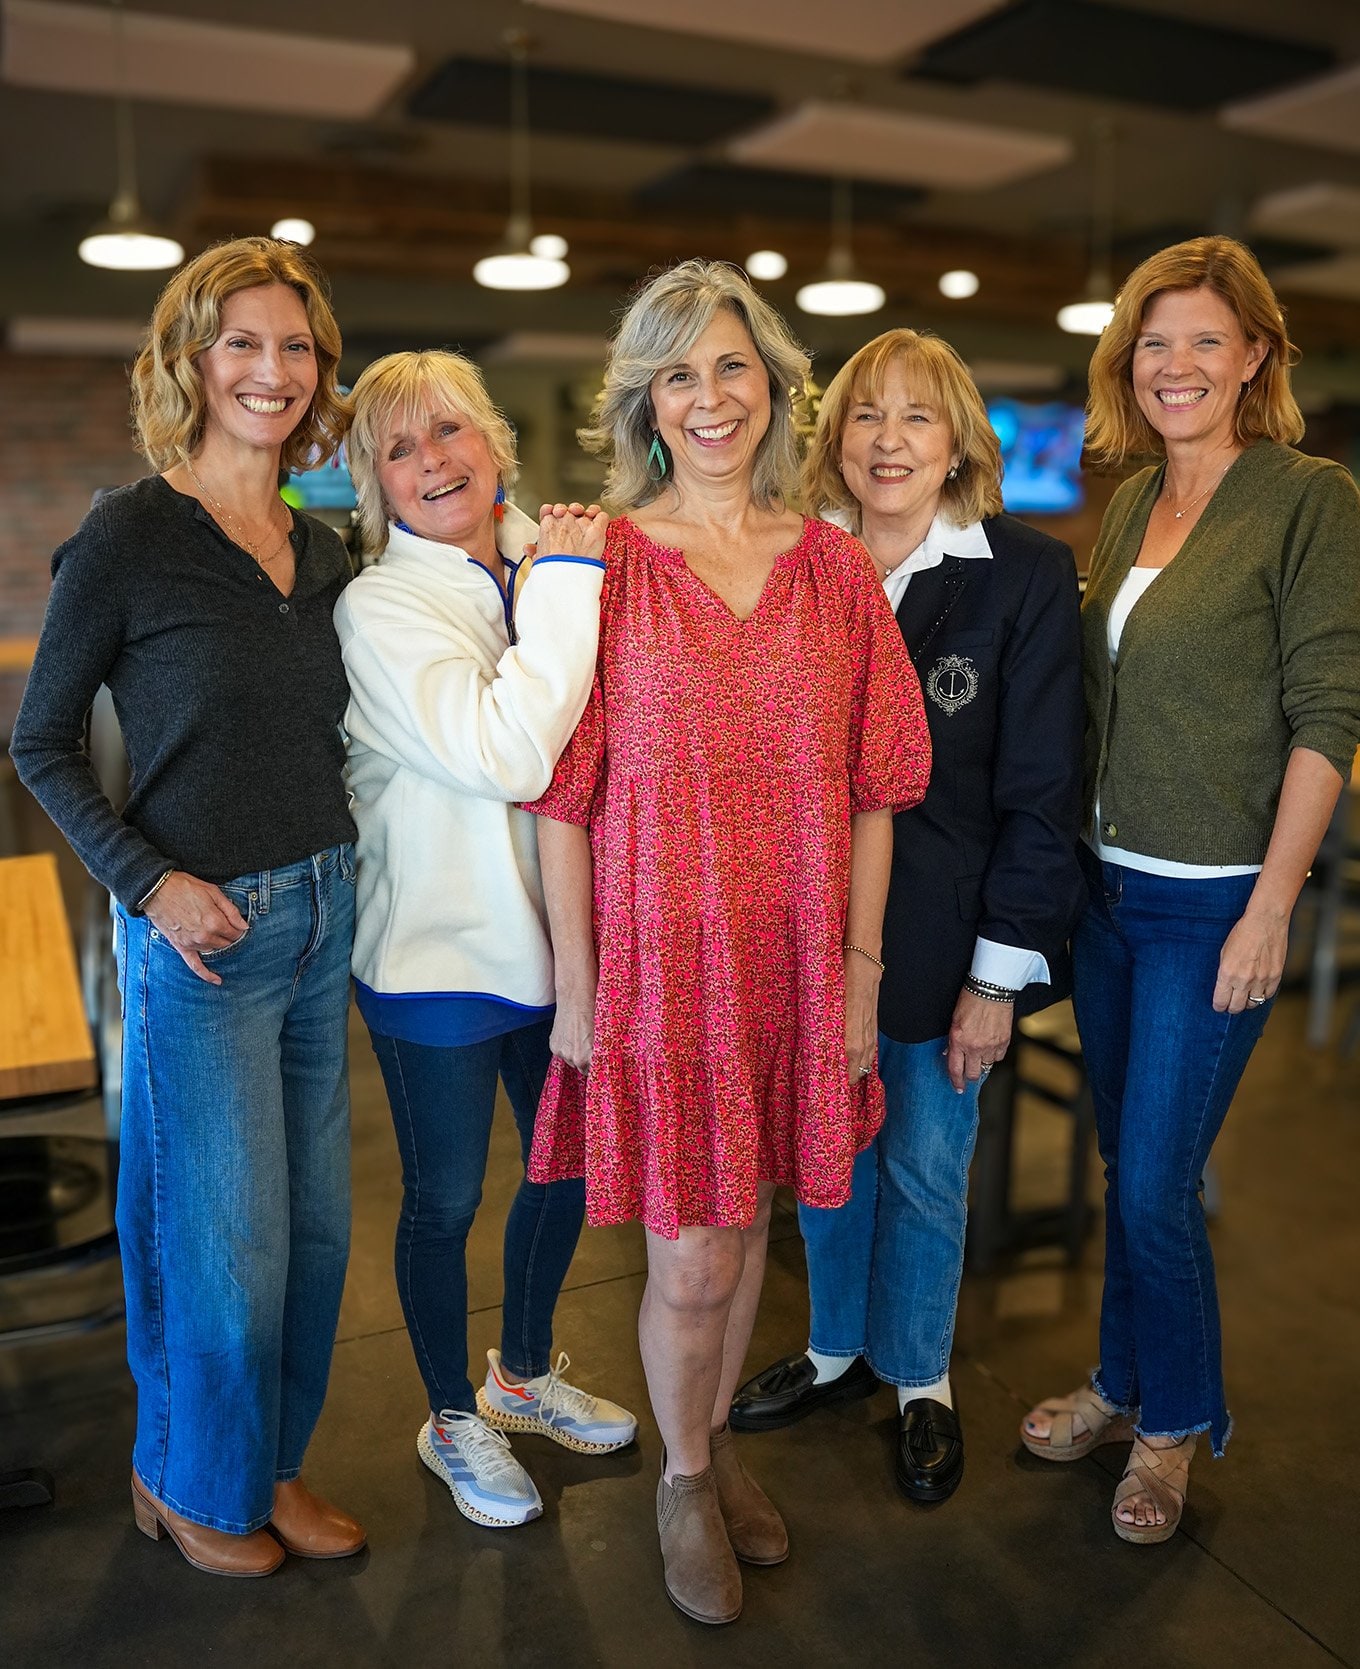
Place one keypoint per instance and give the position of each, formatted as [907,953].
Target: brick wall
[64,431]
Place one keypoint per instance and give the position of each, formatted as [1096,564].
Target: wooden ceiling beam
[394,224]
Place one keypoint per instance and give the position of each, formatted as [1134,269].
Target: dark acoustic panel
[477,92]
[1116,52]
[1134,247]
[770,191]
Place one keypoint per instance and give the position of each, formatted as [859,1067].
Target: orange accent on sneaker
[519,1391]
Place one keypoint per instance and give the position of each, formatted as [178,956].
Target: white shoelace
[560,1400]
[486,1450]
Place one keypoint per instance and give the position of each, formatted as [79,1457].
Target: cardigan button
[1111,830]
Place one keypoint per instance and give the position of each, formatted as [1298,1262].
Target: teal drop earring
[657,464]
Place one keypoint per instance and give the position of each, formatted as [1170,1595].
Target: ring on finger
[1255,1001]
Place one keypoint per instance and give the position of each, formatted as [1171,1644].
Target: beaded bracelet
[988,992]
[867,954]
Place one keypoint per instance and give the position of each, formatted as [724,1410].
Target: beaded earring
[498,503]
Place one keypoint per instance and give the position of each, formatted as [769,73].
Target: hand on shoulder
[572,530]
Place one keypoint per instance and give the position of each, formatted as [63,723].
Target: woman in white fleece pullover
[467,678]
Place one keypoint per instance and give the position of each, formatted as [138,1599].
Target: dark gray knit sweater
[229,695]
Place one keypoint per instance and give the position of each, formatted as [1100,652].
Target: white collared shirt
[995,964]
[942,539]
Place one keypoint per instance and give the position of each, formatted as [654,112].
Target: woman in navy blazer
[985,883]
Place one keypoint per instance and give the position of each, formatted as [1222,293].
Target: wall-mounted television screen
[325,488]
[1041,449]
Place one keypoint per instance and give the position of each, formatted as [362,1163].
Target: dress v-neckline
[715,600]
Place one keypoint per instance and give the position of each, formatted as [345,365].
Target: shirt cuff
[1008,966]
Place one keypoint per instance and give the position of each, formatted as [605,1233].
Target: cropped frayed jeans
[884,1268]
[1163,1067]
[233,1188]
[443,1100]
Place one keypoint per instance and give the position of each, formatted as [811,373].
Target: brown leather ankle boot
[754,1527]
[313,1528]
[702,1576]
[215,1551]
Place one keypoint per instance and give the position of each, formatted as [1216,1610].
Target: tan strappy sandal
[1101,1426]
[1162,1475]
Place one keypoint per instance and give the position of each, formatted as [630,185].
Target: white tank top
[1136,582]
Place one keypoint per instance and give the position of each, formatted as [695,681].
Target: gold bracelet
[867,954]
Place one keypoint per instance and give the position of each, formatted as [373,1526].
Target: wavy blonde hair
[415,387]
[168,403]
[1115,428]
[660,326]
[938,378]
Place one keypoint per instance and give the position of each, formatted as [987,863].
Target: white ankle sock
[828,1367]
[940,1391]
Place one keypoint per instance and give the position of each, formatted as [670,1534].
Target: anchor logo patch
[952,682]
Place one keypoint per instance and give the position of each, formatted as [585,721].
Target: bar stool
[996,1227]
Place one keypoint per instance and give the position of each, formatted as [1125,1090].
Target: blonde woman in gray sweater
[1222,666]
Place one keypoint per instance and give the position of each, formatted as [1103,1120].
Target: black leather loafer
[788,1390]
[929,1462]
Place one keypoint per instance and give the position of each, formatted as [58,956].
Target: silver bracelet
[143,902]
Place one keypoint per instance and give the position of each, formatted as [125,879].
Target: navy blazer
[992,849]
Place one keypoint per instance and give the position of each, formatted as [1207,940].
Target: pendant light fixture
[522,261]
[1095,309]
[127,241]
[840,293]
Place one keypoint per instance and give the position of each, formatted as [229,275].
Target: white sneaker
[552,1408]
[488,1484]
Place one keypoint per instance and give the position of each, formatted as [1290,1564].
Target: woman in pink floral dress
[715,848]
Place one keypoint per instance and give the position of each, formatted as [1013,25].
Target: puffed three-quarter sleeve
[889,755]
[570,796]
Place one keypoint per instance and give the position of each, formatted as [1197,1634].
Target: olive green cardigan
[1246,646]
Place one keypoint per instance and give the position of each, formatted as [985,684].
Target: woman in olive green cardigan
[1222,661]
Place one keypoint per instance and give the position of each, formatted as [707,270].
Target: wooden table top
[45,1043]
[16,653]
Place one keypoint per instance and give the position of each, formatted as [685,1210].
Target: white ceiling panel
[1325,111]
[899,147]
[867,31]
[74,49]
[1321,213]
[1339,277]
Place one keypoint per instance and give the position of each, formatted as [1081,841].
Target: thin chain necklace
[236,531]
[1194,501]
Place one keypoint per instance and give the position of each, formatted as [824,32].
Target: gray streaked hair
[662,323]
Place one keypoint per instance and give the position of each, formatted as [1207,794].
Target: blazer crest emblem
[952,682]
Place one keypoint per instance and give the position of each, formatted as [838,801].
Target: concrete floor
[1020,1568]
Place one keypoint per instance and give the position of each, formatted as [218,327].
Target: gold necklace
[1194,501]
[239,536]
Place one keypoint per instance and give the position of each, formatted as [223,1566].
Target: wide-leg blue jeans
[233,1189]
[884,1269]
[1163,1067]
[443,1100]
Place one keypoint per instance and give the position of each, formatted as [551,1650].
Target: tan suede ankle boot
[702,1576]
[754,1526]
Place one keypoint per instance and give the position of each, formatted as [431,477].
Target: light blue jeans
[884,1269]
[233,1189]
